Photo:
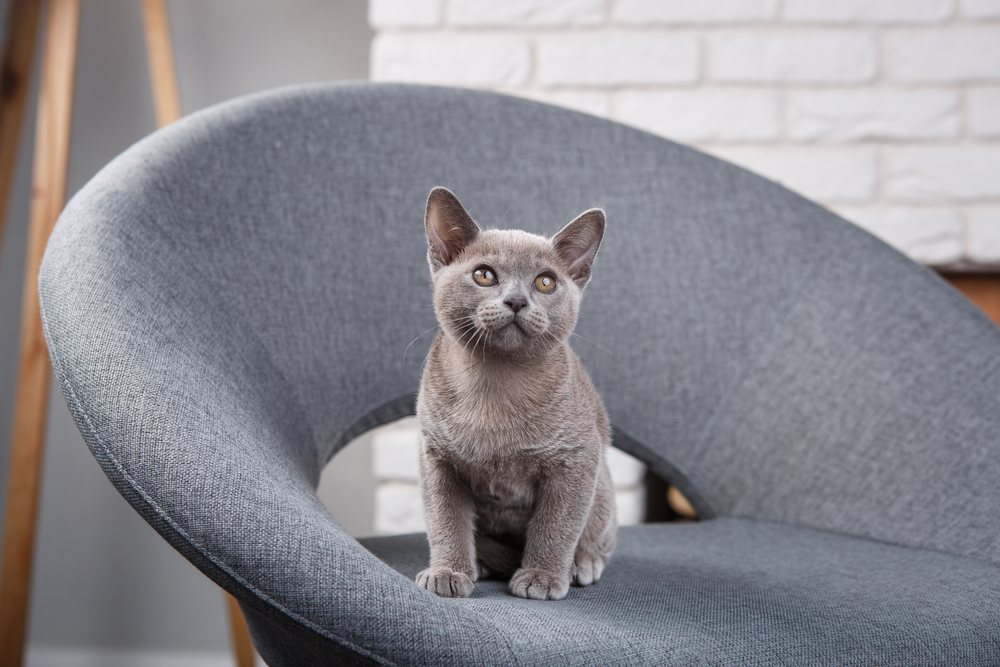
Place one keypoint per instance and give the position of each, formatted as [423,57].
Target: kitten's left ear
[449,227]
[577,244]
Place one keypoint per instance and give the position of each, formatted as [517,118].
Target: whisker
[573,333]
[476,333]
[467,333]
[466,339]
[480,337]
[416,339]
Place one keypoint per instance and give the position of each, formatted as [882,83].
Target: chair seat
[745,592]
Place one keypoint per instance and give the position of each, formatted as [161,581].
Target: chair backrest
[250,279]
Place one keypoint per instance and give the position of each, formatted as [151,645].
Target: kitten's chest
[497,414]
[498,446]
[505,437]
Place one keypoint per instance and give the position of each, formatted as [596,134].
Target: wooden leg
[55,107]
[680,504]
[242,646]
[162,74]
[981,289]
[19,48]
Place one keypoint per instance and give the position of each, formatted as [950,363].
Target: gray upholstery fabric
[747,592]
[231,300]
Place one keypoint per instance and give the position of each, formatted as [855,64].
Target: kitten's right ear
[449,228]
[577,244]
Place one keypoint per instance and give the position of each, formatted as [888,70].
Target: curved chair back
[234,298]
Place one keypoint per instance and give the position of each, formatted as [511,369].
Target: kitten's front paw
[538,584]
[445,582]
[587,569]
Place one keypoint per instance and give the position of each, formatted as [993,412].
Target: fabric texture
[745,592]
[234,298]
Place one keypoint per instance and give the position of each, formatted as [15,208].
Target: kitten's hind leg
[593,551]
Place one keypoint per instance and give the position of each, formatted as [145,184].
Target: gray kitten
[513,434]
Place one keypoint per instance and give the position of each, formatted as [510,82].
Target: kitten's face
[507,292]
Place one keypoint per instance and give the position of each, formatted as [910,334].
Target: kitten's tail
[500,559]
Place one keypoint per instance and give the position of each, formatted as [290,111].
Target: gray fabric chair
[228,303]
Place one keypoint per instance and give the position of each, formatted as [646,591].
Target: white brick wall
[934,174]
[873,113]
[981,9]
[932,55]
[984,232]
[869,11]
[792,56]
[509,13]
[984,112]
[886,110]
[617,59]
[405,13]
[673,12]
[462,60]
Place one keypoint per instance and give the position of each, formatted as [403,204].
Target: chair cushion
[745,592]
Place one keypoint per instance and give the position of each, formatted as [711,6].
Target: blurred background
[107,589]
[886,111]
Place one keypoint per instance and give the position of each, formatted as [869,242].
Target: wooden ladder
[52,135]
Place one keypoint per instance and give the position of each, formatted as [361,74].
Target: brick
[929,235]
[983,238]
[941,173]
[817,56]
[874,114]
[647,12]
[823,174]
[594,103]
[630,506]
[399,509]
[627,472]
[984,112]
[703,115]
[618,59]
[981,9]
[868,11]
[527,12]
[394,451]
[404,13]
[943,54]
[482,60]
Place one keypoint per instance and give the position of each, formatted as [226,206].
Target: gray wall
[103,578]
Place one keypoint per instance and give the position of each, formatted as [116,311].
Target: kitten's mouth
[513,324]
[504,330]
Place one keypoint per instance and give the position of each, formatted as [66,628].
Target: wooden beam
[162,74]
[243,651]
[15,75]
[52,133]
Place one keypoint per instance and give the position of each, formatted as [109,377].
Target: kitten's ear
[449,227]
[577,244]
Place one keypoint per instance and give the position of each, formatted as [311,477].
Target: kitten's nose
[516,303]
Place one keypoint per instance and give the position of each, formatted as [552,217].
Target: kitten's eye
[545,283]
[484,276]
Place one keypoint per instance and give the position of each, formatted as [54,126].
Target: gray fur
[513,434]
